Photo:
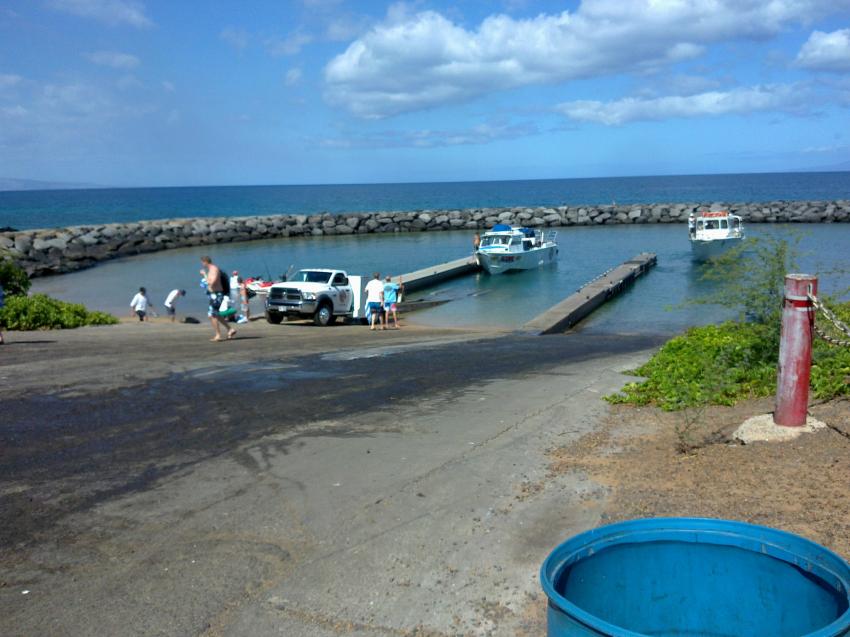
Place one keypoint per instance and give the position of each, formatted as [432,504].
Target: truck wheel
[274,318]
[324,315]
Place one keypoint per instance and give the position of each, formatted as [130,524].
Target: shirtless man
[215,291]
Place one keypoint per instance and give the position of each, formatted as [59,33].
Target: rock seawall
[53,251]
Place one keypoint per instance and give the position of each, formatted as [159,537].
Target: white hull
[499,262]
[702,250]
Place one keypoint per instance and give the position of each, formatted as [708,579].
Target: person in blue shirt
[392,294]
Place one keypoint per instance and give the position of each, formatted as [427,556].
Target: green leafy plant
[13,278]
[714,364]
[831,363]
[750,279]
[39,311]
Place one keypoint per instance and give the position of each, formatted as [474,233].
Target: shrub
[39,312]
[714,364]
[13,279]
[721,364]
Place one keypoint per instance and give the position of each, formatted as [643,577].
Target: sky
[168,93]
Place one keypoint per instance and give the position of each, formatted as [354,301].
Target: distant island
[7,184]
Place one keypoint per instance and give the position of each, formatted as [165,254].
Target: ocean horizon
[27,209]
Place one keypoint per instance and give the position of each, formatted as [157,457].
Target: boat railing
[549,236]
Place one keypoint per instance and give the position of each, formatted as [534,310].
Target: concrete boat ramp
[559,317]
[590,296]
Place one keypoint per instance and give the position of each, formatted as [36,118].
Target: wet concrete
[153,483]
[76,451]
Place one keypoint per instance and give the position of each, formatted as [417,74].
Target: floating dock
[586,299]
[438,273]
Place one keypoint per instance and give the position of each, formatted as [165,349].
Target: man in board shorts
[215,291]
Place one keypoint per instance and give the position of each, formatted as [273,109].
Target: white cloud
[782,97]
[290,45]
[8,80]
[428,138]
[128,81]
[293,76]
[14,111]
[113,59]
[341,28]
[113,12]
[237,38]
[826,51]
[412,62]
[321,4]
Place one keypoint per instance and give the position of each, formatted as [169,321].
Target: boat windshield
[496,240]
[311,276]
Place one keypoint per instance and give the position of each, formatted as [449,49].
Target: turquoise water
[52,208]
[504,301]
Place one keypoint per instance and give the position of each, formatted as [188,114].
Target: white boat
[508,248]
[712,233]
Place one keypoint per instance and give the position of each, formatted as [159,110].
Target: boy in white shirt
[139,305]
[170,301]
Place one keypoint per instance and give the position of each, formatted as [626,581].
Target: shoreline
[49,251]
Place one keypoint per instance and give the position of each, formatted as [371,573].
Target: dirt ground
[799,486]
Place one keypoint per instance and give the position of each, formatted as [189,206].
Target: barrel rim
[773,542]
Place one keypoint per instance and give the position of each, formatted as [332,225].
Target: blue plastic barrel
[695,578]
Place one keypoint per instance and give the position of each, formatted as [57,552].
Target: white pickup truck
[323,295]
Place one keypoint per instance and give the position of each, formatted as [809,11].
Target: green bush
[715,364]
[721,364]
[40,312]
[831,363]
[13,279]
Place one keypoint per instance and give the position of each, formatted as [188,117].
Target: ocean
[658,303]
[56,208]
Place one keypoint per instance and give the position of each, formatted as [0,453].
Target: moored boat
[713,232]
[509,248]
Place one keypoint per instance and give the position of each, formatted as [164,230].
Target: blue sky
[126,92]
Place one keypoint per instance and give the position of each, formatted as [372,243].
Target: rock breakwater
[58,250]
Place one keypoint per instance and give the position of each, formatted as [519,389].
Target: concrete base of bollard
[762,428]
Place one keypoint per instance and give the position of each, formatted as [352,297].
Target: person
[235,295]
[215,291]
[392,292]
[244,308]
[692,225]
[139,305]
[375,300]
[2,303]
[170,300]
[476,242]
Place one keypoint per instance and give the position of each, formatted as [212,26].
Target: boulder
[23,243]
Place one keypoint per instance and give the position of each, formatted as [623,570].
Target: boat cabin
[715,225]
[511,238]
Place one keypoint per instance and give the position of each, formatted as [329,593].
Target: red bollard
[795,351]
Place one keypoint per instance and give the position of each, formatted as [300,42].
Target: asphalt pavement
[294,481]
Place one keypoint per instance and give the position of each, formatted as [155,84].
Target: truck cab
[317,293]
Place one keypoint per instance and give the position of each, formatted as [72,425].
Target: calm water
[52,208]
[502,301]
